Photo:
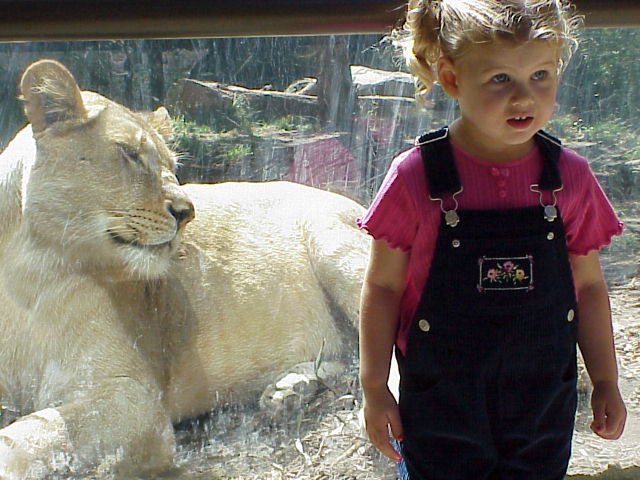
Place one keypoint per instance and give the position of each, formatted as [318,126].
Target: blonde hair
[448,27]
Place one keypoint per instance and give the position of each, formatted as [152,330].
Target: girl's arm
[595,338]
[379,309]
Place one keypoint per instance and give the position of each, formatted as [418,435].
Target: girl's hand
[381,414]
[609,412]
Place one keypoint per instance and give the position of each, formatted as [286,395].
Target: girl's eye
[500,78]
[539,75]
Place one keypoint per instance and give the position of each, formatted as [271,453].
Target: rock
[305,86]
[228,106]
[371,81]
[298,387]
[367,81]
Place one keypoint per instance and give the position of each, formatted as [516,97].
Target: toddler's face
[507,92]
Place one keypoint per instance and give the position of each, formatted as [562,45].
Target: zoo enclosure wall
[24,20]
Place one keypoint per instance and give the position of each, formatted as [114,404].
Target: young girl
[484,269]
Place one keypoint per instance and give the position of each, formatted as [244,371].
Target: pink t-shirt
[403,215]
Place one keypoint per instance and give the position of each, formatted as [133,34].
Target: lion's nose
[182,212]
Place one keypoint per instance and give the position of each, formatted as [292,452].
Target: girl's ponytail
[423,47]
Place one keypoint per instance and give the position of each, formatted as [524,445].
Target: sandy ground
[592,454]
[322,440]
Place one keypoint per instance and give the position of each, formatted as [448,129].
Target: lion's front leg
[123,429]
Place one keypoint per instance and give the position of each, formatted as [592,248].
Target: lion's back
[265,212]
[285,198]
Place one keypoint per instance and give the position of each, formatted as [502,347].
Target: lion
[129,302]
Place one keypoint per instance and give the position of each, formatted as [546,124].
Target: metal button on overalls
[424,325]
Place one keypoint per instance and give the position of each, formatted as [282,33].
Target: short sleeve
[591,221]
[392,214]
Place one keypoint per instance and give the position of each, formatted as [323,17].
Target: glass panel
[330,112]
[597,116]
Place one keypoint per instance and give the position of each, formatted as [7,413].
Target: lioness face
[102,187]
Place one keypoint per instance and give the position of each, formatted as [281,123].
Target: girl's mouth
[520,123]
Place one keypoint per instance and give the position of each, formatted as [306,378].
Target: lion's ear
[51,95]
[161,121]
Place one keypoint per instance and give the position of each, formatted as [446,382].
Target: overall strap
[442,175]
[550,147]
[437,156]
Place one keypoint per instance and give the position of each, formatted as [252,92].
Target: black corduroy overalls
[488,379]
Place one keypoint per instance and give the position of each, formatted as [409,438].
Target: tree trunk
[335,87]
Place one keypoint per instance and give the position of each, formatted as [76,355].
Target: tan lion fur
[120,313]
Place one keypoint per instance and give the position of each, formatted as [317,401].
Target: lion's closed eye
[130,153]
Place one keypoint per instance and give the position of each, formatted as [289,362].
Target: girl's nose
[521,97]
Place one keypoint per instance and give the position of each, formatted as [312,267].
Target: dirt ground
[322,440]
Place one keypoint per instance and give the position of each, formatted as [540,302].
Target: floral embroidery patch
[506,273]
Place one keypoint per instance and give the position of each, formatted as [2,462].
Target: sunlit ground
[323,440]
[592,454]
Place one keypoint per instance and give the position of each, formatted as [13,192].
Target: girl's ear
[447,76]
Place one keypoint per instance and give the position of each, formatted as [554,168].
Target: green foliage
[612,147]
[633,154]
[190,137]
[566,127]
[627,178]
[242,115]
[239,151]
[209,155]
[182,127]
[610,131]
[292,123]
[601,77]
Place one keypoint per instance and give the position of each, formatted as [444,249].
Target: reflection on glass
[331,112]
